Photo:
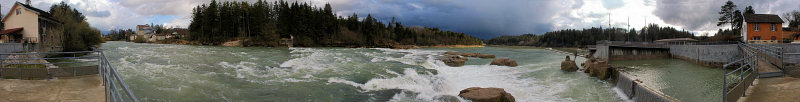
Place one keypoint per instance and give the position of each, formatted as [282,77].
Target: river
[162,72]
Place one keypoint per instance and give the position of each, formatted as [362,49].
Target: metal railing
[50,65]
[772,54]
[113,82]
[736,81]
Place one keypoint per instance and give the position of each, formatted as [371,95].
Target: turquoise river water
[161,72]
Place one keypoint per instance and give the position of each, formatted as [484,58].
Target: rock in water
[587,65]
[601,70]
[451,53]
[454,60]
[568,65]
[485,56]
[477,94]
[504,62]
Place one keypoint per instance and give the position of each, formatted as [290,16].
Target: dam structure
[741,63]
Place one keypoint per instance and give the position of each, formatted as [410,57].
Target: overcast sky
[481,18]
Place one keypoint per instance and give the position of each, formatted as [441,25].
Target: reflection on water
[679,79]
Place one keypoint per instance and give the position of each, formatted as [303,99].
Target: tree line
[77,34]
[120,34]
[582,37]
[264,23]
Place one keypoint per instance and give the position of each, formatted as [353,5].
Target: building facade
[763,29]
[144,31]
[26,24]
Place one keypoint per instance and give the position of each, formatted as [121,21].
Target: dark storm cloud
[481,18]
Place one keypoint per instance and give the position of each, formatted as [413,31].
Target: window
[18,11]
[774,28]
[756,27]
[757,38]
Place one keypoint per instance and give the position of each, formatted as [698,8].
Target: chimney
[27,2]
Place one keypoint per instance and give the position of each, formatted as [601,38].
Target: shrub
[139,40]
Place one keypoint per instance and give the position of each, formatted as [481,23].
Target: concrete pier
[78,89]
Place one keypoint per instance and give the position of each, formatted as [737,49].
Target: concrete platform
[776,89]
[79,89]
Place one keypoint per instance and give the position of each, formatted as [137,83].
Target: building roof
[762,18]
[676,40]
[9,31]
[42,13]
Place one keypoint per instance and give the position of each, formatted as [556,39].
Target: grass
[25,66]
[570,50]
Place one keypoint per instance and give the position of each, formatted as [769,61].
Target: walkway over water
[84,76]
[769,64]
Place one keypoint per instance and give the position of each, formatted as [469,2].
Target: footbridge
[757,61]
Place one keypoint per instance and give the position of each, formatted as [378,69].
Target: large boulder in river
[599,69]
[485,55]
[477,94]
[504,62]
[587,65]
[568,65]
[602,70]
[454,60]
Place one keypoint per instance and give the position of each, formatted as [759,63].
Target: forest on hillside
[263,24]
[580,38]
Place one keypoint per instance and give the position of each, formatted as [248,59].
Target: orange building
[763,28]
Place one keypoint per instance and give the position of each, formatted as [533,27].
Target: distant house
[26,24]
[182,33]
[763,28]
[145,31]
[157,37]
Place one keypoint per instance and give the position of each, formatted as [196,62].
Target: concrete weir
[707,55]
[635,90]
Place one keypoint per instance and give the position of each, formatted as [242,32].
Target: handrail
[112,81]
[747,66]
[110,71]
[775,52]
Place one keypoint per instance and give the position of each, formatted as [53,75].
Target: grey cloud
[613,4]
[98,13]
[702,14]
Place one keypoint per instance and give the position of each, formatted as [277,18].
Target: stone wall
[11,47]
[791,58]
[707,55]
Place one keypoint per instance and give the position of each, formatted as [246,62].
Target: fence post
[2,59]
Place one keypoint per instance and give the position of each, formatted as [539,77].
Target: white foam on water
[451,80]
